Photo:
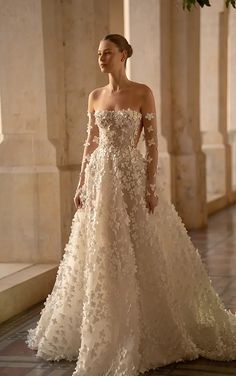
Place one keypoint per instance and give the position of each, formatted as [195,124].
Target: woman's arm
[149,121]
[91,141]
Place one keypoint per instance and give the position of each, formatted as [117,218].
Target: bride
[131,291]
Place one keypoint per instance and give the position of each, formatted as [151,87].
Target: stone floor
[217,246]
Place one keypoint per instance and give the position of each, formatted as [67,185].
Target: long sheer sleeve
[90,145]
[151,141]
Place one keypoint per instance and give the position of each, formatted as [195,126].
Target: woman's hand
[151,200]
[77,199]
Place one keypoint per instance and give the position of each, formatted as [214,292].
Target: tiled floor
[217,246]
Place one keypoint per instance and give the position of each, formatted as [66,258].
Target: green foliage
[189,3]
[232,2]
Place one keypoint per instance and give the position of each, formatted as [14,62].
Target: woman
[131,291]
[121,93]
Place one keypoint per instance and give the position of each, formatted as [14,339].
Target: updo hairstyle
[121,42]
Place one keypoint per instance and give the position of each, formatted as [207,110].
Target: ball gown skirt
[131,291]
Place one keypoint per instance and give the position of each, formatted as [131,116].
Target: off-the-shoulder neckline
[121,110]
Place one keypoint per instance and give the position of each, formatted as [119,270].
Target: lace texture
[129,297]
[150,138]
[90,145]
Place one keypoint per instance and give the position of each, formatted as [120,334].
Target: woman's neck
[117,82]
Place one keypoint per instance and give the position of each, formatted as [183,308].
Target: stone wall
[48,67]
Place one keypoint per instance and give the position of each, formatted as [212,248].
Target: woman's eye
[105,53]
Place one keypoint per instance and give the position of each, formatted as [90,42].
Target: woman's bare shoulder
[94,96]
[141,88]
[95,93]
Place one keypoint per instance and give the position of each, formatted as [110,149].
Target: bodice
[118,128]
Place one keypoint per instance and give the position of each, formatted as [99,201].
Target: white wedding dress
[131,291]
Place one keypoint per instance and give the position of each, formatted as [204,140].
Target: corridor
[217,246]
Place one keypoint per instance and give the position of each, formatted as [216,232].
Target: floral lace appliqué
[149,115]
[131,292]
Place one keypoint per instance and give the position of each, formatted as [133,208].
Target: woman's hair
[121,42]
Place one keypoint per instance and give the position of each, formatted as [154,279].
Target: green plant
[189,3]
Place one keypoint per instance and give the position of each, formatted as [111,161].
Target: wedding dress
[131,291]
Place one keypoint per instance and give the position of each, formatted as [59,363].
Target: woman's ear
[124,55]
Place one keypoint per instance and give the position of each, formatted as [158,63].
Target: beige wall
[49,65]
[231,93]
[168,46]
[29,189]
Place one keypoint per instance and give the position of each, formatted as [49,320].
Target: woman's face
[109,56]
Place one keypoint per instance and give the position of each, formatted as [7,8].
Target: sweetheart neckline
[121,110]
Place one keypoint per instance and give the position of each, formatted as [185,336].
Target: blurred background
[48,66]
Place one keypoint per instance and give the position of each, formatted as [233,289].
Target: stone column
[116,17]
[232,99]
[213,102]
[147,29]
[29,189]
[84,23]
[189,160]
[48,67]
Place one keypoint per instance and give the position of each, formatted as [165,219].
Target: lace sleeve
[151,141]
[90,145]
